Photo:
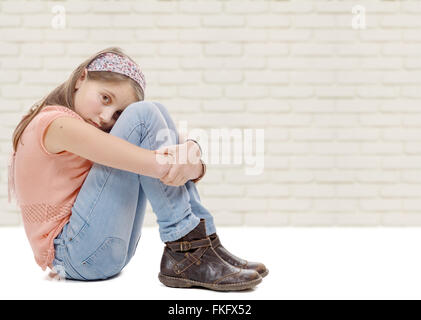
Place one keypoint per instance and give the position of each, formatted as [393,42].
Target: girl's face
[101,103]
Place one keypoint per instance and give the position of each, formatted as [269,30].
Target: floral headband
[115,63]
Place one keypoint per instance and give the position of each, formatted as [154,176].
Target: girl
[85,161]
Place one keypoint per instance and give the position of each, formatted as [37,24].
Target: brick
[400,77]
[266,219]
[132,21]
[9,105]
[222,76]
[155,6]
[156,35]
[7,20]
[228,21]
[312,105]
[72,6]
[223,191]
[401,105]
[65,35]
[179,49]
[111,7]
[335,205]
[266,190]
[198,91]
[314,21]
[178,21]
[89,20]
[266,105]
[202,7]
[381,35]
[268,21]
[45,49]
[356,162]
[223,49]
[335,92]
[173,77]
[312,77]
[411,92]
[268,49]
[288,35]
[381,64]
[411,7]
[21,92]
[396,49]
[383,120]
[359,77]
[289,205]
[400,21]
[266,77]
[279,134]
[356,105]
[223,106]
[246,6]
[291,6]
[303,49]
[357,49]
[21,35]
[49,77]
[292,92]
[7,49]
[37,20]
[104,34]
[401,219]
[376,176]
[246,92]
[381,205]
[155,63]
[377,92]
[359,134]
[19,7]
[232,35]
[335,35]
[9,77]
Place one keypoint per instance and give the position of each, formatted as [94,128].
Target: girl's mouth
[94,124]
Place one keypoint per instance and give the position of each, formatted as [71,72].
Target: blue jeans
[105,226]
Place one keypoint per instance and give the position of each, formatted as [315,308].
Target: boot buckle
[185,246]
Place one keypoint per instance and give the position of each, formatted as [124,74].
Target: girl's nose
[106,116]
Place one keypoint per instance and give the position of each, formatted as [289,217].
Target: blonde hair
[64,94]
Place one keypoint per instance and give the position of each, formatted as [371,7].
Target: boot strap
[188,245]
[216,243]
[189,260]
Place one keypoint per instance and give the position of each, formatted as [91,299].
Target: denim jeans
[106,221]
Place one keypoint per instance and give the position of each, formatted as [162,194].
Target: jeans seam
[156,180]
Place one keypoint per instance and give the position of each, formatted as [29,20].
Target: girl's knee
[142,108]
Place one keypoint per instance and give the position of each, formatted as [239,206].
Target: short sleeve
[44,119]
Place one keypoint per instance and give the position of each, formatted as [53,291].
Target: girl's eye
[106,98]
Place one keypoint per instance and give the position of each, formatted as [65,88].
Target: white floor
[304,263]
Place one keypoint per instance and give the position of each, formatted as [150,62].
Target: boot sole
[186,283]
[264,274]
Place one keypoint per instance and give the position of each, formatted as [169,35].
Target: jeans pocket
[106,261]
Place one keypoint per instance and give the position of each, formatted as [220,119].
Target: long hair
[64,94]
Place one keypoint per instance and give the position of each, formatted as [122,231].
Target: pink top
[45,184]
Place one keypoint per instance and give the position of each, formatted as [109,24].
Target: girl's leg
[104,227]
[197,207]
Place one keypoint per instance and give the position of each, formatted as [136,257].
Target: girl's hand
[185,159]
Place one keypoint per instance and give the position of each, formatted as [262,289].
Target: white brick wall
[340,107]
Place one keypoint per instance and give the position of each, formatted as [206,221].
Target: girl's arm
[83,139]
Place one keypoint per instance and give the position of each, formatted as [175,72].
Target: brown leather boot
[234,260]
[192,262]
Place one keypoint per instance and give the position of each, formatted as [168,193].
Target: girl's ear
[81,79]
